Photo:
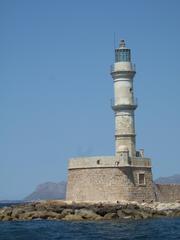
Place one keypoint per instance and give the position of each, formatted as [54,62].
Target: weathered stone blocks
[110,184]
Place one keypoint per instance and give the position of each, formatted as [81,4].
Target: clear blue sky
[55,89]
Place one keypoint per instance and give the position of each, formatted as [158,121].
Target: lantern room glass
[122,55]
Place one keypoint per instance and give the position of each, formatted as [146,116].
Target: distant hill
[175,179]
[48,190]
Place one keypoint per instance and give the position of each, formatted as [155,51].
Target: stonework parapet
[106,162]
[141,162]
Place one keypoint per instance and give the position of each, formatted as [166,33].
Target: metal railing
[141,162]
[115,69]
[133,104]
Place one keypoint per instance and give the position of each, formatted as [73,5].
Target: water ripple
[153,229]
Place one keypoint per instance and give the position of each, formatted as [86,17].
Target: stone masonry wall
[167,192]
[109,184]
[144,192]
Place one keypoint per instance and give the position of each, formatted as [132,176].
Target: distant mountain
[175,179]
[48,190]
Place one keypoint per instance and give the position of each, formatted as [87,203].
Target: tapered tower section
[124,103]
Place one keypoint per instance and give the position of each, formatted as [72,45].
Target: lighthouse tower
[127,175]
[124,103]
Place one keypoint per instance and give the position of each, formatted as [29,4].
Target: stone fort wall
[167,192]
[109,184]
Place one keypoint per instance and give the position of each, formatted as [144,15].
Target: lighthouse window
[124,55]
[141,179]
[98,161]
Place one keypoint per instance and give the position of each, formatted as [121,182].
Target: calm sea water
[153,229]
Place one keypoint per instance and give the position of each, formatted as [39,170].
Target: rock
[145,215]
[167,206]
[101,211]
[40,207]
[67,211]
[107,208]
[127,217]
[132,205]
[72,217]
[57,209]
[136,214]
[28,208]
[52,206]
[41,215]
[27,215]
[6,211]
[6,218]
[86,214]
[16,212]
[110,216]
[120,214]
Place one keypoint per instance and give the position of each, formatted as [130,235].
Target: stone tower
[127,175]
[124,105]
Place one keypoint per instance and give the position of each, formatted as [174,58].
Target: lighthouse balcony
[141,162]
[123,67]
[124,106]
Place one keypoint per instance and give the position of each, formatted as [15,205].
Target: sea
[150,229]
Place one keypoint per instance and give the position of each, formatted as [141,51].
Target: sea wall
[167,192]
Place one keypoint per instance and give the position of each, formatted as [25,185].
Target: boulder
[110,216]
[16,212]
[44,215]
[87,214]
[135,214]
[7,218]
[120,214]
[6,211]
[72,217]
[67,211]
[108,208]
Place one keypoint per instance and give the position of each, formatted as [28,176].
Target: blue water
[154,229]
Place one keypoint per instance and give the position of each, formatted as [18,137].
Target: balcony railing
[120,106]
[114,68]
[141,162]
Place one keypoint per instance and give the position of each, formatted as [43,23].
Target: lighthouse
[124,104]
[127,175]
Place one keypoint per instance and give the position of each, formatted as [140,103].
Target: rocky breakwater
[62,210]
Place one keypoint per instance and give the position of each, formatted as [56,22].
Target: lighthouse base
[100,179]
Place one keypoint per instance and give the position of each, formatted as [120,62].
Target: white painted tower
[124,104]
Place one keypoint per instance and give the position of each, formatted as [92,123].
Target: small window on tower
[98,161]
[141,179]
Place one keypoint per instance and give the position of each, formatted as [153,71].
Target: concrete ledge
[91,162]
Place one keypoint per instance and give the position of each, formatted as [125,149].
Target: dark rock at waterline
[62,210]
